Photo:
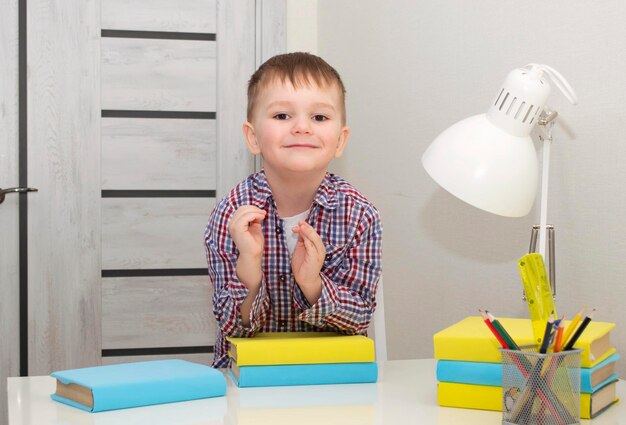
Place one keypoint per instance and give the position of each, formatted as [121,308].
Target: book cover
[120,386]
[275,348]
[481,373]
[594,377]
[477,373]
[469,396]
[304,374]
[591,405]
[471,340]
[488,397]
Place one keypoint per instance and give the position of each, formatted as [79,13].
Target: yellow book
[469,396]
[277,348]
[487,397]
[471,340]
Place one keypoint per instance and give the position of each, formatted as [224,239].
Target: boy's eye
[319,117]
[281,116]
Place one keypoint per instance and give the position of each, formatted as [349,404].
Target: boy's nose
[301,126]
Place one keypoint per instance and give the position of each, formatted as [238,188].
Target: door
[9,209]
[130,130]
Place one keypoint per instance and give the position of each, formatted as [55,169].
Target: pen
[546,336]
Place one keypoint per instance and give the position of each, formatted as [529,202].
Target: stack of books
[469,369]
[302,358]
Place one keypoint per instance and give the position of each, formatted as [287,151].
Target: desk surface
[405,394]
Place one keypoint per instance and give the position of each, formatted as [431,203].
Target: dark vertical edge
[23,182]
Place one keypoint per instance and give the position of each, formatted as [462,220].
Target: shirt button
[279,230]
[282,277]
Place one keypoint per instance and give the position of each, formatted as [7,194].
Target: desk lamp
[489,160]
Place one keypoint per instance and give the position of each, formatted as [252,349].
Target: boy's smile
[297,130]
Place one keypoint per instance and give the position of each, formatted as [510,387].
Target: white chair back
[377,329]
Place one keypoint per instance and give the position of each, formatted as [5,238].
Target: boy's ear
[251,140]
[343,139]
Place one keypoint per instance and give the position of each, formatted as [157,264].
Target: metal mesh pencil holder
[540,388]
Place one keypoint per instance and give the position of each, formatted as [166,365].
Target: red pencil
[493,330]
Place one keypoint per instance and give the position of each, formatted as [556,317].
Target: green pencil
[505,335]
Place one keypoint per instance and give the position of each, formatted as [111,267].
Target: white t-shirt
[290,237]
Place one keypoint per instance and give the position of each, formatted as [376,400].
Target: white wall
[302,26]
[412,69]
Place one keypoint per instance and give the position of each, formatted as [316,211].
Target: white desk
[405,394]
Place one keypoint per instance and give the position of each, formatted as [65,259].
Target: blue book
[483,373]
[304,374]
[120,386]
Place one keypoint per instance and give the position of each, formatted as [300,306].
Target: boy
[293,247]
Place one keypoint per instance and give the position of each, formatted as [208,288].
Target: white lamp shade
[485,166]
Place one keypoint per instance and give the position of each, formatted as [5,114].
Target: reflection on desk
[406,393]
[321,404]
[205,411]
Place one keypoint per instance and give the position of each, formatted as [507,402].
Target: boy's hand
[247,233]
[307,261]
[245,229]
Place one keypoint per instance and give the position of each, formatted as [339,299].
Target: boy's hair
[300,69]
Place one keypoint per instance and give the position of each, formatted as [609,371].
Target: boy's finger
[309,233]
[307,229]
[251,216]
[312,233]
[245,221]
[310,246]
[248,209]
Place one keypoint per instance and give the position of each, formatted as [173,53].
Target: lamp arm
[558,80]
[545,174]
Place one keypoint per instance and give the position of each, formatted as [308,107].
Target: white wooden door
[131,130]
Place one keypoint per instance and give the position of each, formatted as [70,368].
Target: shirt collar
[262,190]
[326,195]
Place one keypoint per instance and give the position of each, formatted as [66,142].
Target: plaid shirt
[351,230]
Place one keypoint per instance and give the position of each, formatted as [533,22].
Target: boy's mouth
[301,145]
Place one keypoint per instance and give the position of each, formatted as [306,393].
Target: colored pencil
[493,330]
[570,344]
[559,336]
[547,397]
[572,326]
[505,335]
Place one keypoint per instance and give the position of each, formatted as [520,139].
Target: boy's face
[297,129]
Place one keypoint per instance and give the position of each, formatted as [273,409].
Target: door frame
[9,210]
